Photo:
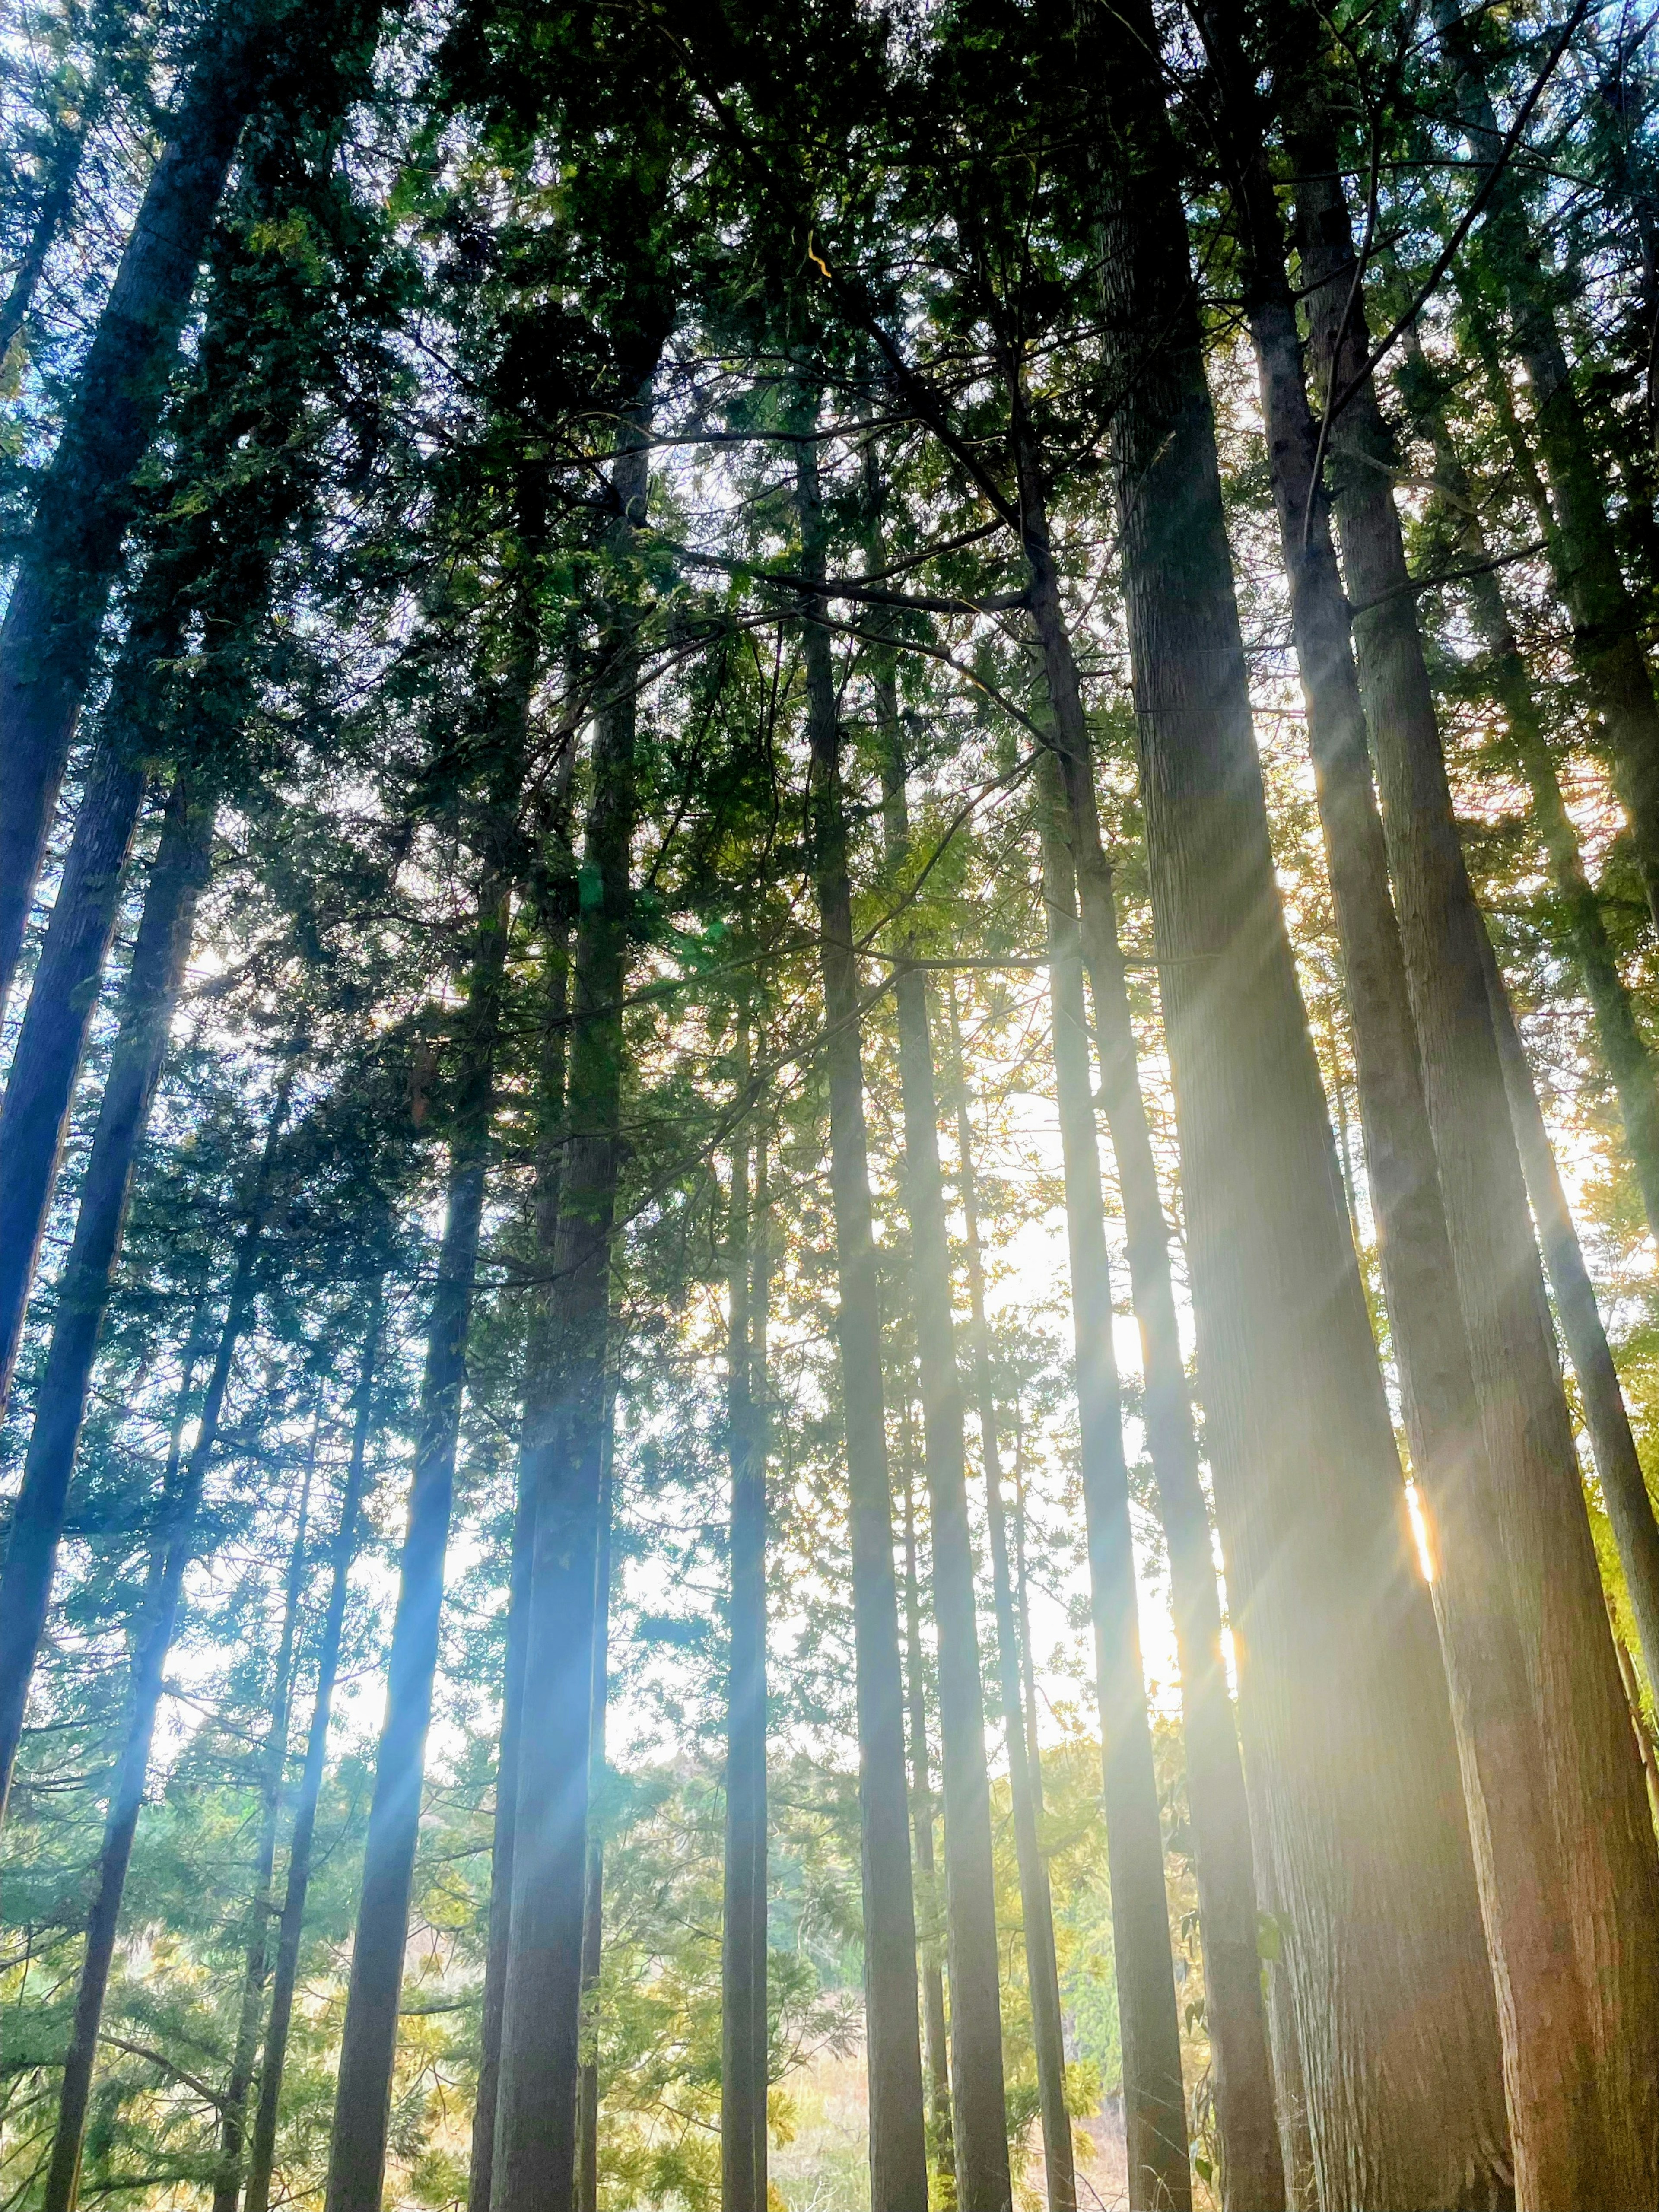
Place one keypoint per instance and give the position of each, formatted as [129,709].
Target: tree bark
[562,1460]
[1036,1903]
[587,2080]
[152,990]
[62,173]
[233,2124]
[743,2020]
[69,557]
[1522,1878]
[1608,645]
[1597,1796]
[180,1502]
[1252,2173]
[978,2097]
[936,2044]
[1154,2103]
[1306,1475]
[64,994]
[262,2156]
[368,2042]
[1624,1487]
[898,2151]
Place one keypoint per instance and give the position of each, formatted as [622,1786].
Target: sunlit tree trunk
[1596,1791]
[152,990]
[587,2078]
[743,2035]
[1220,1816]
[181,1497]
[232,2124]
[368,2042]
[936,2049]
[1524,1879]
[1306,1476]
[978,2100]
[898,2148]
[262,2154]
[1154,2104]
[1036,1905]
[562,1460]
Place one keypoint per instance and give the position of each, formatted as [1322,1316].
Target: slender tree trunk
[233,2126]
[1154,2104]
[51,212]
[173,1550]
[1037,1905]
[979,2103]
[898,2150]
[1291,2086]
[70,558]
[1623,1045]
[1252,2173]
[562,1461]
[1306,1474]
[64,995]
[1624,1487]
[1596,1791]
[557,899]
[1608,644]
[369,2040]
[744,2031]
[935,2040]
[1524,1879]
[262,2157]
[587,2078]
[152,990]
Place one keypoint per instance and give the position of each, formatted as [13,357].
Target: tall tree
[1306,1478]
[369,2037]
[898,2152]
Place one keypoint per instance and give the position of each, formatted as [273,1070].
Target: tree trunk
[587,2078]
[153,982]
[227,2185]
[1154,2104]
[556,896]
[743,2020]
[262,2157]
[1306,1475]
[935,2040]
[1596,1792]
[563,1460]
[70,558]
[1624,1487]
[1523,1881]
[1036,1905]
[368,2042]
[1608,645]
[51,212]
[1623,1045]
[41,1086]
[172,1555]
[1252,2173]
[978,2099]
[898,2150]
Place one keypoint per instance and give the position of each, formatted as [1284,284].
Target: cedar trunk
[898,2150]
[152,989]
[368,2042]
[262,2154]
[1306,1475]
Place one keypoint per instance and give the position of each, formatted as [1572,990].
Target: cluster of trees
[781,790]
